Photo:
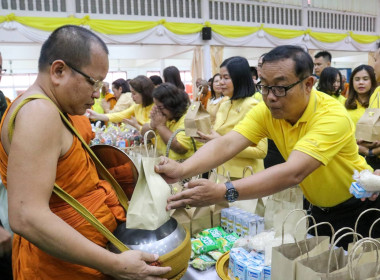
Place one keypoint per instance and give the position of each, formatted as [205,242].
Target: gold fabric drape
[196,68]
[216,53]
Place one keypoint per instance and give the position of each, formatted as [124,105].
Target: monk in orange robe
[52,241]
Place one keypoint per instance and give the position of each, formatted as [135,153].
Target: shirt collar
[310,108]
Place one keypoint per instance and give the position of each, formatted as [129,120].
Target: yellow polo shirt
[142,114]
[184,140]
[229,114]
[340,98]
[325,132]
[355,114]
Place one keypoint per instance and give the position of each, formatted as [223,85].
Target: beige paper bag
[217,208]
[183,216]
[279,205]
[197,118]
[285,256]
[368,126]
[336,265]
[147,208]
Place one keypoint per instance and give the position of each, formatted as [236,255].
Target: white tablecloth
[193,274]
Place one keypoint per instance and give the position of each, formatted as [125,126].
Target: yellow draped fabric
[119,27]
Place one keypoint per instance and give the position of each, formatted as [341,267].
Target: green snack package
[215,254]
[215,232]
[227,242]
[203,262]
[203,245]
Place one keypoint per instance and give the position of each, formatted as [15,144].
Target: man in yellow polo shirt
[313,132]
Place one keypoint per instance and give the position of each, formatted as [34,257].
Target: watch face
[231,195]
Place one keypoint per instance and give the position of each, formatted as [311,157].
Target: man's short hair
[72,44]
[303,63]
[240,73]
[326,55]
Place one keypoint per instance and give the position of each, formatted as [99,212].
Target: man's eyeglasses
[2,71]
[278,91]
[96,84]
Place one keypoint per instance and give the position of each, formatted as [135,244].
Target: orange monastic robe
[76,174]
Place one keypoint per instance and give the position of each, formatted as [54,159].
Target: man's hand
[376,195]
[134,265]
[169,169]
[5,242]
[200,192]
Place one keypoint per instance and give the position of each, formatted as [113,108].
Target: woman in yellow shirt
[216,98]
[362,85]
[236,84]
[167,116]
[331,83]
[138,114]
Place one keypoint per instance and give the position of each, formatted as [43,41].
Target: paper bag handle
[316,233]
[371,228]
[332,250]
[287,216]
[146,143]
[248,167]
[361,214]
[352,254]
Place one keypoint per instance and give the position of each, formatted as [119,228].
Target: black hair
[145,87]
[352,94]
[172,98]
[254,71]
[171,75]
[156,80]
[213,94]
[325,54]
[123,84]
[303,63]
[72,44]
[238,69]
[327,79]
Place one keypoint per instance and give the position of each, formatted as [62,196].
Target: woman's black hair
[327,80]
[156,80]
[213,94]
[352,94]
[171,75]
[240,74]
[145,87]
[172,98]
[123,84]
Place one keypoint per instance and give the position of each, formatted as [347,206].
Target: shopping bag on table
[147,209]
[197,118]
[370,230]
[285,256]
[216,209]
[280,204]
[334,264]
[183,216]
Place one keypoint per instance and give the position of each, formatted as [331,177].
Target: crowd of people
[291,119]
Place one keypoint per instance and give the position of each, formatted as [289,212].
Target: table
[193,274]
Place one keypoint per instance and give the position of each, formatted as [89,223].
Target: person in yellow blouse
[138,114]
[167,116]
[123,95]
[362,85]
[216,97]
[330,82]
[237,84]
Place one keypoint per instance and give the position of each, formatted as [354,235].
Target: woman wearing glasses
[138,114]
